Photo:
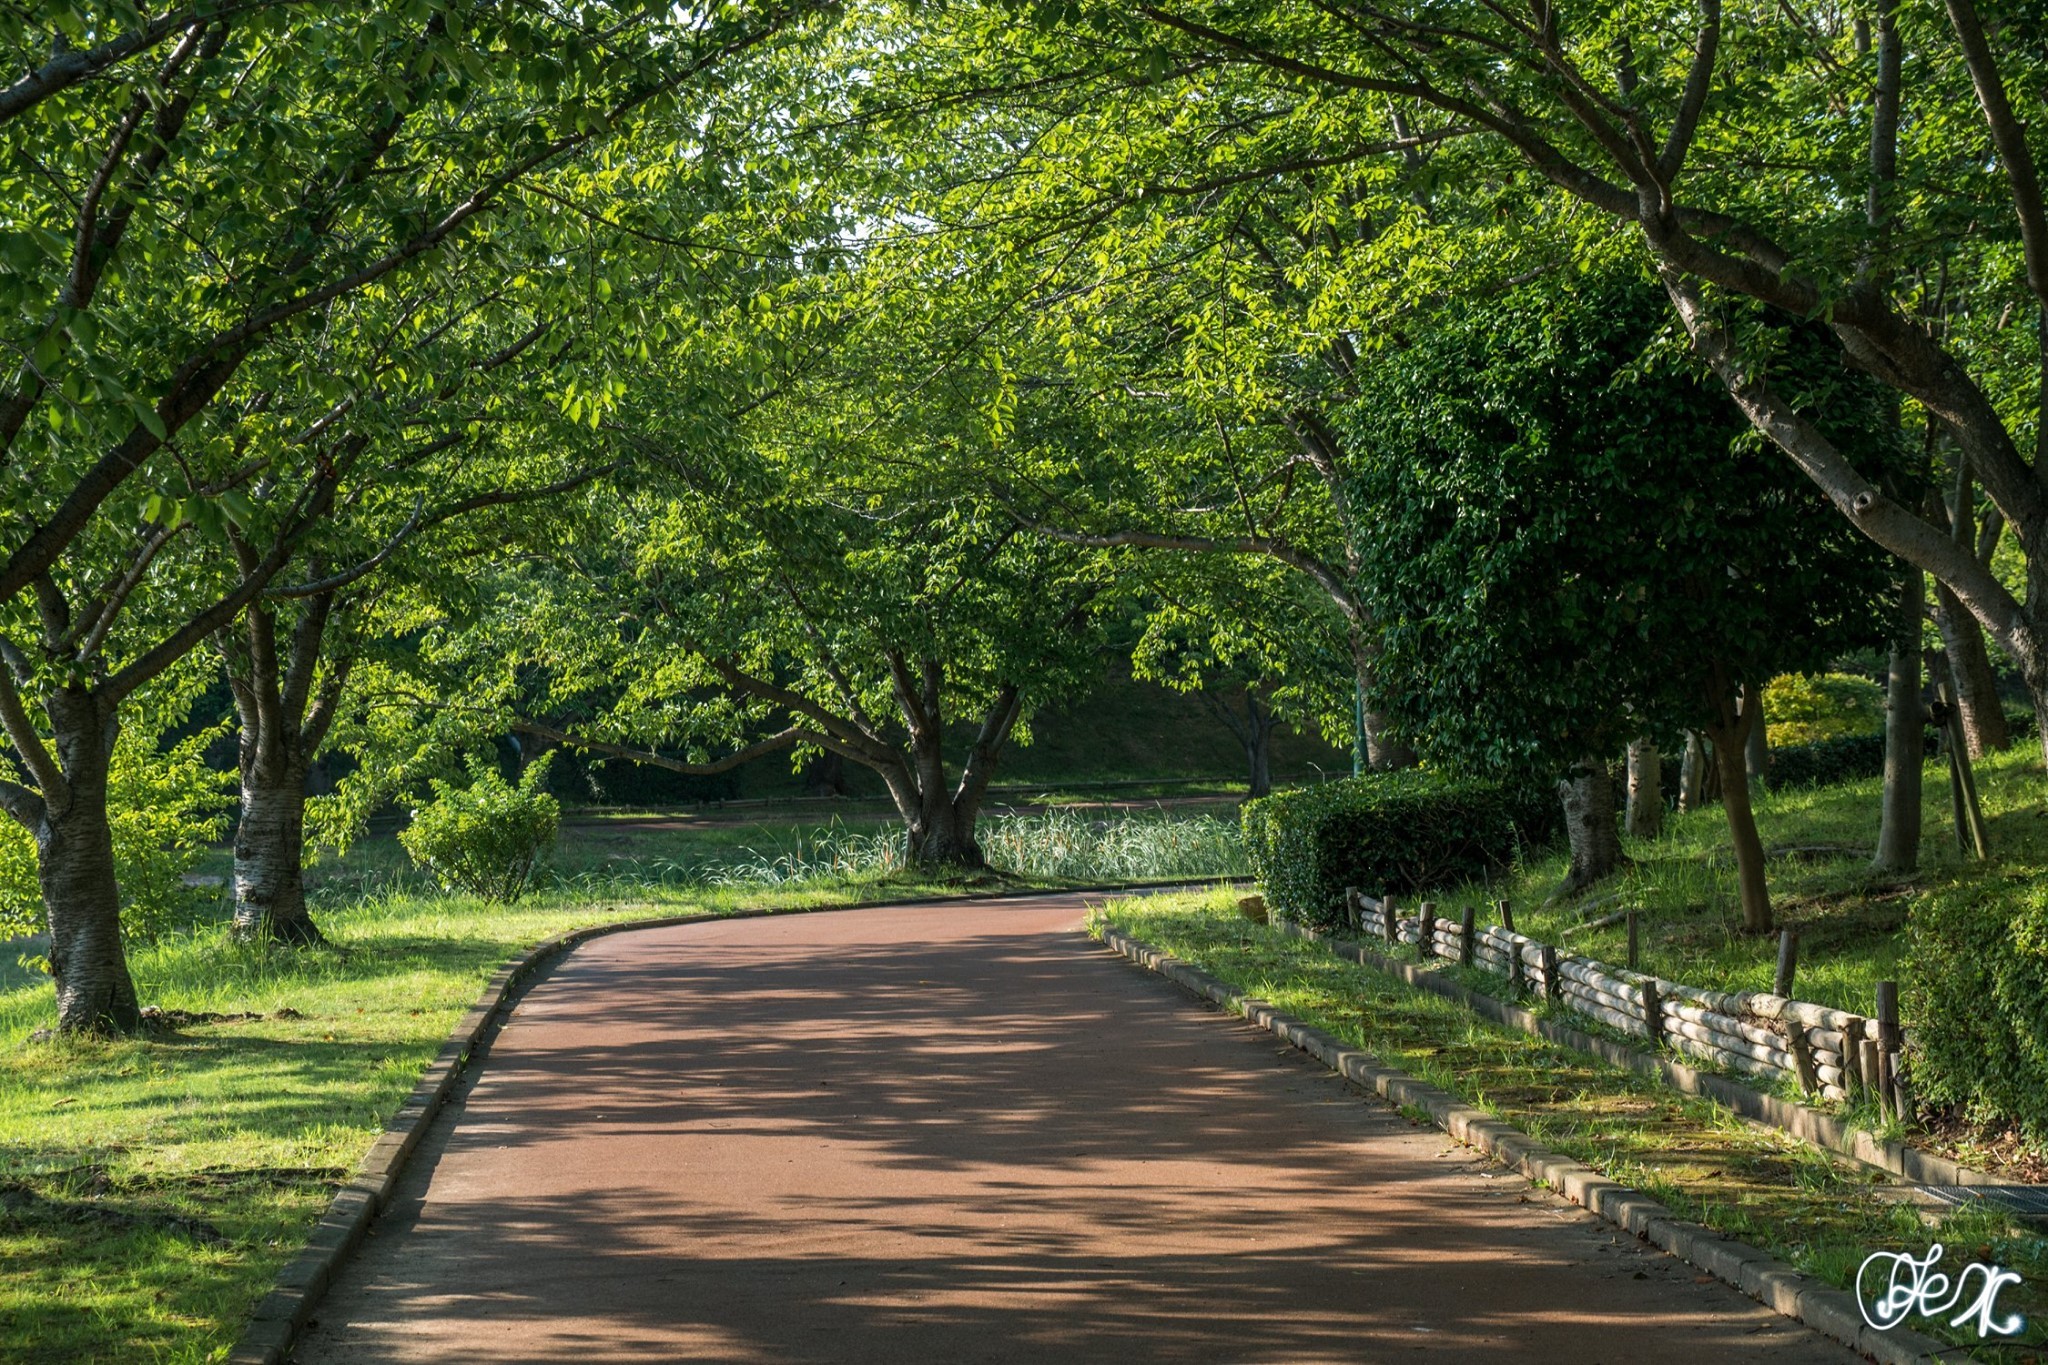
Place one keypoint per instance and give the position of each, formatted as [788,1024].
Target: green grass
[1820,1213]
[1848,919]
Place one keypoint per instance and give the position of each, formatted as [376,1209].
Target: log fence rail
[1826,1052]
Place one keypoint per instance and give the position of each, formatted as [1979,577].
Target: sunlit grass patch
[1821,1213]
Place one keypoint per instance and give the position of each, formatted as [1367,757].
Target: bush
[1825,762]
[1802,708]
[1976,1001]
[1389,832]
[486,838]
[166,809]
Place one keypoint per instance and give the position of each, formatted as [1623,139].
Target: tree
[249,348]
[1834,179]
[1581,543]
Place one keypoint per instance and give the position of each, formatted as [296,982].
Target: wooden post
[1351,907]
[1653,1010]
[1788,962]
[1553,988]
[1801,1048]
[1468,930]
[1971,835]
[1888,1042]
[1902,1092]
[1852,1055]
[1387,915]
[1632,958]
[1518,979]
[1425,935]
[1507,916]
[1867,1068]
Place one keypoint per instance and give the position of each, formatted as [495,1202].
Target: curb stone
[1829,1311]
[300,1286]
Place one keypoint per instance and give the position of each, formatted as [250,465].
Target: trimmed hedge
[1976,1001]
[1389,832]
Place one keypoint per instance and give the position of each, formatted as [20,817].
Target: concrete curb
[1802,1121]
[1828,1311]
[283,1313]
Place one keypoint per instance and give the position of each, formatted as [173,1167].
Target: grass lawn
[150,1189]
[1756,1184]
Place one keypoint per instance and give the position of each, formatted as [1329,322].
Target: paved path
[966,1133]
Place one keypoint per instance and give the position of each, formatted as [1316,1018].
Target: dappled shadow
[960,1134]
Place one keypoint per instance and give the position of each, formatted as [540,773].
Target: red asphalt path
[966,1133]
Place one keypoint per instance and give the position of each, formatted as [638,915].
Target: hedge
[1976,1001]
[1389,832]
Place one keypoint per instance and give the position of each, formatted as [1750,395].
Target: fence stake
[1352,907]
[1387,920]
[1852,1055]
[1507,916]
[1801,1047]
[1653,1009]
[1467,929]
[1788,962]
[1518,981]
[1888,1042]
[1632,940]
[1425,935]
[1552,987]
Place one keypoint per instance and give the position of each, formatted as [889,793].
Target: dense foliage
[1393,833]
[1976,1002]
[488,837]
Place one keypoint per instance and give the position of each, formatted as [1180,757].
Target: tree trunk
[942,837]
[825,775]
[1729,743]
[1976,686]
[1645,790]
[1898,834]
[1588,797]
[1259,749]
[1757,750]
[1385,751]
[75,866]
[270,841]
[1692,774]
[1257,737]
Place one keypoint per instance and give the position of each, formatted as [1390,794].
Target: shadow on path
[965,1133]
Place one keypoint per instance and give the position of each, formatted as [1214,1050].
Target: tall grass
[1060,845]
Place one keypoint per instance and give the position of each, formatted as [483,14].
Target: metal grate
[2029,1201]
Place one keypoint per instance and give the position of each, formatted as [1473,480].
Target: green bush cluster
[1391,832]
[1976,1001]
[486,838]
[1824,762]
[1800,708]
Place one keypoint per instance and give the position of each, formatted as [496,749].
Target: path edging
[1801,1121]
[1829,1311]
[282,1314]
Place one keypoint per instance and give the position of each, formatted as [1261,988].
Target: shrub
[1389,832]
[1976,1001]
[1801,708]
[1824,762]
[166,809]
[486,838]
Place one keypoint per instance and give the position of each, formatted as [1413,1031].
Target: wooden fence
[1828,1052]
